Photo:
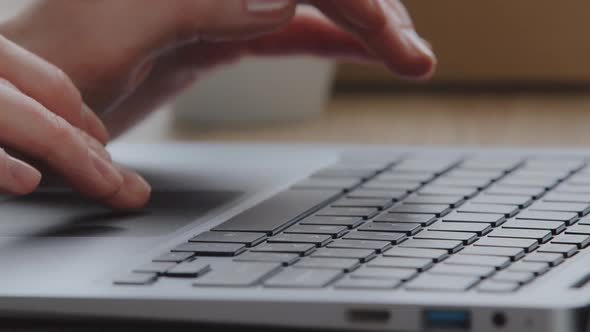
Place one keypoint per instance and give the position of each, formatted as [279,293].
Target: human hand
[42,117]
[128,57]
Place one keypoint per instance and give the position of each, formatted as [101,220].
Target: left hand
[128,57]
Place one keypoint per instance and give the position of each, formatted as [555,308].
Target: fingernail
[369,16]
[266,6]
[95,127]
[109,173]
[26,176]
[417,43]
[139,185]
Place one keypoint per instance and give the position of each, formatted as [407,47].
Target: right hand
[43,118]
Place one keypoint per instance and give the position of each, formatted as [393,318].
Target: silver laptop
[335,237]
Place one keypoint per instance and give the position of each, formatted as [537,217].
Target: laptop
[325,237]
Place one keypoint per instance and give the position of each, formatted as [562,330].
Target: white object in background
[258,91]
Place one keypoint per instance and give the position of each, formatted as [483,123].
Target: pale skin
[64,61]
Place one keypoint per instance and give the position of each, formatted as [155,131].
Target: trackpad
[65,214]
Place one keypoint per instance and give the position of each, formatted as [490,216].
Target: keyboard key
[534,192]
[350,222]
[154,267]
[360,244]
[520,201]
[452,201]
[507,210]
[479,229]
[173,257]
[395,218]
[513,253]
[581,241]
[420,264]
[519,181]
[450,246]
[332,231]
[466,238]
[394,238]
[249,239]
[378,184]
[442,283]
[136,279]
[527,244]
[448,191]
[285,259]
[316,239]
[237,274]
[363,255]
[489,286]
[433,165]
[495,261]
[302,249]
[491,175]
[366,213]
[566,198]
[406,177]
[492,219]
[363,193]
[492,163]
[363,202]
[567,217]
[567,250]
[566,188]
[555,227]
[192,269]
[303,278]
[367,284]
[278,212]
[452,181]
[366,272]
[435,255]
[538,234]
[211,249]
[431,209]
[514,277]
[344,264]
[408,229]
[581,209]
[328,183]
[338,172]
[578,229]
[463,270]
[552,259]
[532,267]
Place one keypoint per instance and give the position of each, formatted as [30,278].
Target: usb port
[447,319]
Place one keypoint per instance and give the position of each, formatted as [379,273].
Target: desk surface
[540,118]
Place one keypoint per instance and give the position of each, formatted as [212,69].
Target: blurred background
[511,72]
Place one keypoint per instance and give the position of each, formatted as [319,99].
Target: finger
[48,85]
[16,176]
[311,34]
[26,126]
[134,193]
[387,31]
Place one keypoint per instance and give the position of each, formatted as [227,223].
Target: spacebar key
[278,212]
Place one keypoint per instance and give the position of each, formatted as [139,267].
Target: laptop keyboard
[480,224]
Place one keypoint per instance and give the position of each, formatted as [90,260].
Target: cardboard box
[523,41]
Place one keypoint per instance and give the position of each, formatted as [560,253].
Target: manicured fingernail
[109,173]
[266,6]
[367,15]
[417,43]
[25,176]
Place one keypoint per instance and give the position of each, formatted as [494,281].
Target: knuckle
[63,89]
[61,135]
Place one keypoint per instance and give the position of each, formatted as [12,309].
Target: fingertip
[134,194]
[26,177]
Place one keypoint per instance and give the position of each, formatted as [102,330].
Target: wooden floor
[452,118]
